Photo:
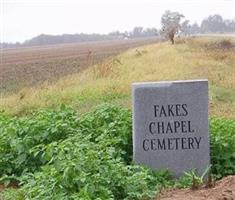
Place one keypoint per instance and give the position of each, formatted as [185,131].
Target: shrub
[19,135]
[60,155]
[89,158]
[224,44]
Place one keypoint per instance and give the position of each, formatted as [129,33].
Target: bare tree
[171,24]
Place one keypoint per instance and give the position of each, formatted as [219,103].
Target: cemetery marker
[170,125]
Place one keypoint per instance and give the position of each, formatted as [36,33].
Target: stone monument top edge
[165,83]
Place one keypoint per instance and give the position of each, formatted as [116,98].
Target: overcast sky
[24,19]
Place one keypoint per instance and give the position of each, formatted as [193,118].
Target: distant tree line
[174,23]
[216,24]
[212,24]
[171,23]
[44,39]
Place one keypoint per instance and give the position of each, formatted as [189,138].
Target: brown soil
[2,187]
[11,185]
[223,190]
[29,66]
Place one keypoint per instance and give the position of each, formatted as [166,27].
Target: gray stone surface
[170,125]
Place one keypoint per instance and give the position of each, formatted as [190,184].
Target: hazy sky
[24,19]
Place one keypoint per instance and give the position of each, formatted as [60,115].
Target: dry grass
[111,80]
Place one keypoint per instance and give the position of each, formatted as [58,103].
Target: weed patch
[90,156]
[58,154]
[222,147]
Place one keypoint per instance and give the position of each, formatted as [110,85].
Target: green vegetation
[89,157]
[223,146]
[59,154]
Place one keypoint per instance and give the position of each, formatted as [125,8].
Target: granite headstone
[170,125]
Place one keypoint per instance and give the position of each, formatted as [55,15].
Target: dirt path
[223,190]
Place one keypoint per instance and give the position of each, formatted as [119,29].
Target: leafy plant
[20,135]
[192,179]
[57,154]
[222,146]
[88,158]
